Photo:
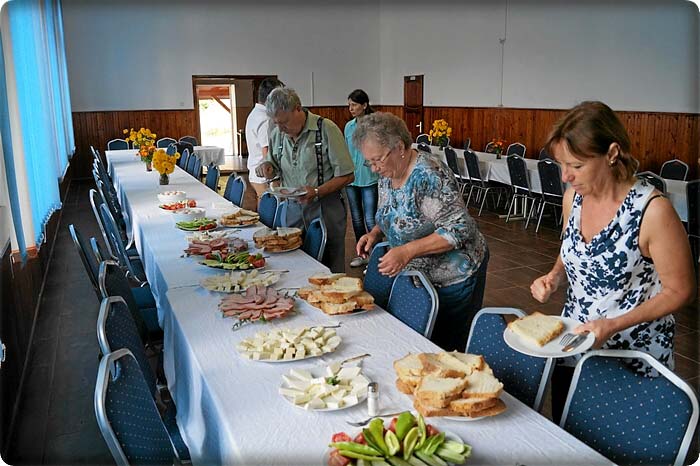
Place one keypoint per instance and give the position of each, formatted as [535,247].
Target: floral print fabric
[430,202]
[609,277]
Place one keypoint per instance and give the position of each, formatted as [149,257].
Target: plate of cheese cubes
[329,389]
[286,345]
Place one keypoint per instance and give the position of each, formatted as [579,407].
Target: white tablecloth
[676,193]
[229,411]
[210,154]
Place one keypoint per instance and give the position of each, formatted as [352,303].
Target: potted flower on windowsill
[164,162]
[143,140]
[440,133]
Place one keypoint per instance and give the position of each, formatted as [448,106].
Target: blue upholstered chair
[184,159]
[280,215]
[113,282]
[191,139]
[162,143]
[315,239]
[192,164]
[132,265]
[674,170]
[627,417]
[516,149]
[653,179]
[212,179]
[414,301]
[116,330]
[525,377]
[96,202]
[235,190]
[376,284]
[267,208]
[118,144]
[423,146]
[127,414]
[92,266]
[423,139]
[181,147]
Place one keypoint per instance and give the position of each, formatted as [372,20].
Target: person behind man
[422,214]
[257,133]
[309,152]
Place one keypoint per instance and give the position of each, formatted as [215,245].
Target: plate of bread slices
[280,239]
[458,386]
[336,294]
[540,335]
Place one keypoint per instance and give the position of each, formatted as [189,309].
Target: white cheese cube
[351,400]
[315,389]
[332,369]
[301,374]
[334,404]
[316,351]
[315,403]
[348,373]
[318,380]
[256,355]
[292,392]
[301,399]
[247,355]
[275,356]
[333,341]
[329,332]
[289,353]
[298,384]
[278,352]
[286,344]
[300,353]
[359,390]
[319,341]
[327,349]
[360,380]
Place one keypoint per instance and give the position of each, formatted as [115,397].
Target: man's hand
[309,197]
[265,170]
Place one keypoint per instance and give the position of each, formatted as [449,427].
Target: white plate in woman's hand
[553,349]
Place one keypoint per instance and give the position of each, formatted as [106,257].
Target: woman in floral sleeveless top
[625,253]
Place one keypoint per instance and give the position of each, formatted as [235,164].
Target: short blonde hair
[588,130]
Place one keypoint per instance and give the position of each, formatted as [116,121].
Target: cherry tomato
[341,437]
[336,459]
[431,430]
[392,426]
[259,263]
[360,438]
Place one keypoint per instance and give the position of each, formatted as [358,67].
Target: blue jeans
[459,303]
[363,208]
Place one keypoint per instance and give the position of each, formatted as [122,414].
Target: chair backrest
[489,147]
[423,139]
[280,215]
[235,190]
[423,146]
[127,414]
[472,163]
[116,330]
[212,179]
[627,417]
[451,158]
[375,283]
[654,179]
[517,169]
[114,208]
[101,169]
[190,139]
[516,149]
[692,191]
[196,167]
[315,239]
[267,208]
[550,179]
[544,154]
[674,170]
[192,164]
[414,301]
[181,146]
[92,267]
[115,240]
[117,144]
[467,143]
[113,282]
[96,202]
[165,142]
[184,159]
[525,377]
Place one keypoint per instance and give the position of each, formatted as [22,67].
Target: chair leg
[539,219]
[510,207]
[483,201]
[469,198]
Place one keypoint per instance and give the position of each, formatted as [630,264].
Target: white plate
[463,418]
[552,349]
[318,374]
[280,252]
[209,282]
[286,191]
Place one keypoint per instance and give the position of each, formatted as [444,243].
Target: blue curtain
[63,74]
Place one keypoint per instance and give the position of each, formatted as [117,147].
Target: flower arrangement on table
[498,145]
[164,162]
[145,140]
[440,133]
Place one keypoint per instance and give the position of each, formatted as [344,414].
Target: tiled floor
[57,422]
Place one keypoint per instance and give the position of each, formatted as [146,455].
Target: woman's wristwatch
[316,193]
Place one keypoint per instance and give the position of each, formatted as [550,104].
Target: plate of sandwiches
[281,239]
[336,294]
[239,218]
[540,335]
[454,385]
[330,389]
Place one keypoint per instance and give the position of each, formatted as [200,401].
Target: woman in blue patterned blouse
[625,253]
[423,216]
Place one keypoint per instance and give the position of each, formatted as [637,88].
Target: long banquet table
[229,411]
[494,169]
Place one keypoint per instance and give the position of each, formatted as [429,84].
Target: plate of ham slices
[202,247]
[257,303]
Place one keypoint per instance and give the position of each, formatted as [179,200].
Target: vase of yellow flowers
[440,133]
[496,147]
[164,162]
[144,140]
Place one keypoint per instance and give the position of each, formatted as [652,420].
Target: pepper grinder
[373,399]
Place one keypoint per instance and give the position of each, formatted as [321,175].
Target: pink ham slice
[257,302]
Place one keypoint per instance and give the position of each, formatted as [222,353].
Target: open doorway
[222,105]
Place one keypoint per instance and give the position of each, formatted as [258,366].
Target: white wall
[634,55]
[142,54]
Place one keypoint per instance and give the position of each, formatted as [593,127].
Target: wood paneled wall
[656,137]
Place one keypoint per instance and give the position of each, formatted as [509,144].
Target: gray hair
[386,129]
[282,99]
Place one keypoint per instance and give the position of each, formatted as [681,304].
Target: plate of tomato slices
[179,205]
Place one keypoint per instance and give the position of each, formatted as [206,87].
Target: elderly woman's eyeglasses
[380,161]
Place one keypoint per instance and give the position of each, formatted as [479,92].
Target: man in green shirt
[309,152]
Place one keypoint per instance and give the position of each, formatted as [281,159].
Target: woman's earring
[612,162]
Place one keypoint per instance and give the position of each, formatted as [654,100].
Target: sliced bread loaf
[537,328]
[433,364]
[439,391]
[468,406]
[431,411]
[482,384]
[464,363]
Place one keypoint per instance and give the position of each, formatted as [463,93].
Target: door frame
[419,77]
[227,79]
